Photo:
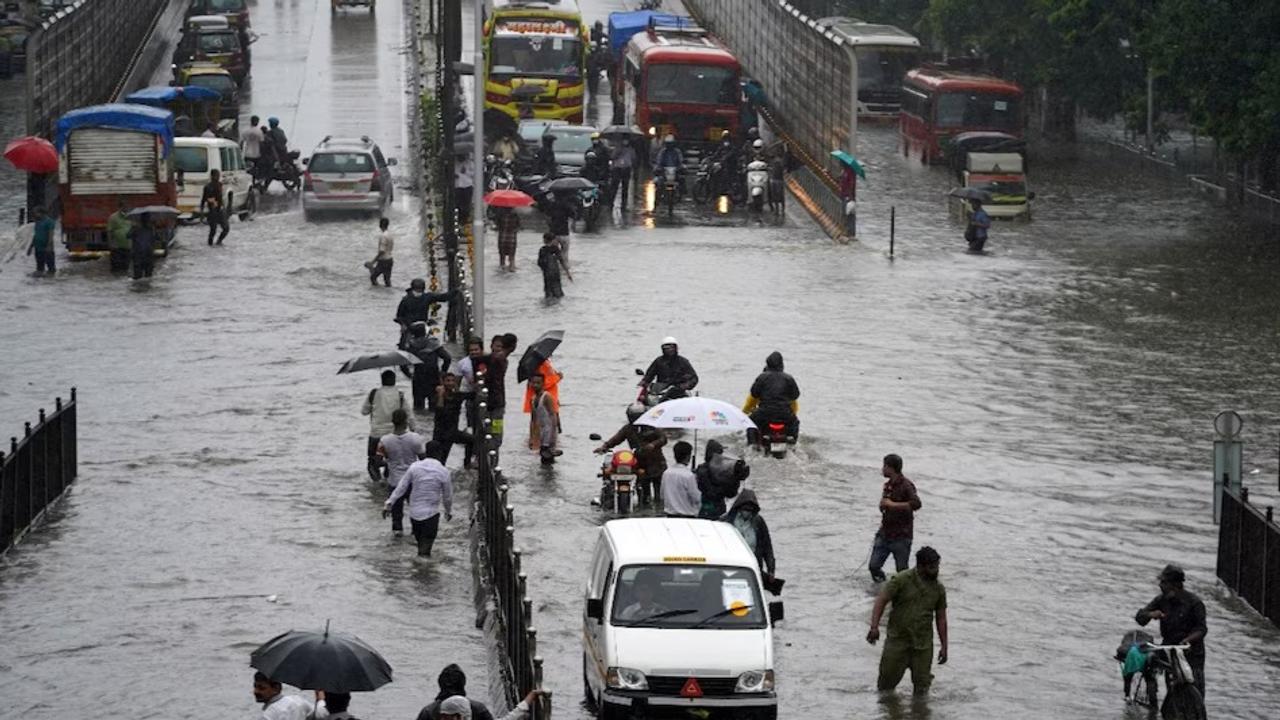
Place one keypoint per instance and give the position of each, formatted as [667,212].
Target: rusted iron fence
[38,468]
[1249,553]
[78,56]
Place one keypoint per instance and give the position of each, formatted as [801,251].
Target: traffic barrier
[37,471]
[78,56]
[1249,553]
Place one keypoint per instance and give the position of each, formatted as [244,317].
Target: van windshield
[191,159]
[687,596]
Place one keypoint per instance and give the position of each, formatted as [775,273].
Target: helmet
[418,284]
[273,121]
[591,155]
[668,139]
[753,133]
[725,135]
[668,340]
[757,144]
[635,410]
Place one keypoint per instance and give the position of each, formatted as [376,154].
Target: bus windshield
[687,596]
[548,55]
[978,110]
[882,69]
[698,84]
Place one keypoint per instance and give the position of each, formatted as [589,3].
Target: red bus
[676,79]
[938,103]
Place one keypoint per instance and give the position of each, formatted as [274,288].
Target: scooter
[619,475]
[656,393]
[501,176]
[757,183]
[588,209]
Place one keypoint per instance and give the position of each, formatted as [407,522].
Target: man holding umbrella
[333,664]
[275,704]
[380,405]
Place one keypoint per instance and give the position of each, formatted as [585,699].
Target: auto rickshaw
[195,109]
[212,77]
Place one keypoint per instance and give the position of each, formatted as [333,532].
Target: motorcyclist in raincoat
[773,398]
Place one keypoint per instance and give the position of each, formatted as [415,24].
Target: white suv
[347,174]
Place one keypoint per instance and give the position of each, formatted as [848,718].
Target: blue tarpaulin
[162,95]
[117,116]
[624,25]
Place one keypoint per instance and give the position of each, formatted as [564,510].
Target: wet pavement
[222,459]
[1052,400]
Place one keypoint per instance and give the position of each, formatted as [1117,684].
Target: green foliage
[429,109]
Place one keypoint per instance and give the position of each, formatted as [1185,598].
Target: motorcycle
[704,181]
[775,440]
[656,393]
[757,183]
[501,176]
[286,172]
[589,207]
[1182,700]
[668,190]
[619,475]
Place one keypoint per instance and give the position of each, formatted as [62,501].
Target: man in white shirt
[399,449]
[275,704]
[429,486]
[251,142]
[680,494]
[381,263]
[379,405]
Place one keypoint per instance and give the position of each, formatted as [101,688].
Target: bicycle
[1182,699]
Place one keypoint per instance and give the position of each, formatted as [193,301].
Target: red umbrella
[32,154]
[508,199]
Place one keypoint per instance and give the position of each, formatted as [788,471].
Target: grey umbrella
[969,193]
[622,131]
[327,661]
[570,183]
[390,358]
[155,210]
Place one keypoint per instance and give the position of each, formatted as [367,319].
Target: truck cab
[1001,175]
[675,623]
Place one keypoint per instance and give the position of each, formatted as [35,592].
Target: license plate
[624,487]
[342,186]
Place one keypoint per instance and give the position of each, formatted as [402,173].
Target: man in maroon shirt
[898,504]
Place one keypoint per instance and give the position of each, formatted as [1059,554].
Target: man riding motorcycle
[545,163]
[671,368]
[597,158]
[646,441]
[669,155]
[773,399]
[276,135]
[726,155]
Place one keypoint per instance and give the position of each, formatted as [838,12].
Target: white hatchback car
[347,174]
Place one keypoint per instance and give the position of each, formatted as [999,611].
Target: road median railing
[1249,553]
[37,471]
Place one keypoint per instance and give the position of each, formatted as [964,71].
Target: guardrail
[37,470]
[1249,553]
[78,56]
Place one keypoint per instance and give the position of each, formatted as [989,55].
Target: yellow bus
[539,45]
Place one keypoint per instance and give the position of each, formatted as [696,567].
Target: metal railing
[78,56]
[37,470]
[494,515]
[1249,553]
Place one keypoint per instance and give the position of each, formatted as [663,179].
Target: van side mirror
[595,608]
[776,613]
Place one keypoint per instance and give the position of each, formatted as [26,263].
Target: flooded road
[222,459]
[1052,401]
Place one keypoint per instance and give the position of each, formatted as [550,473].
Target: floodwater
[222,497]
[1052,400]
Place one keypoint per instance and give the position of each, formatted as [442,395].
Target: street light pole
[479,76]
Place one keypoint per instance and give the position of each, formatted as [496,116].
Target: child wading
[551,261]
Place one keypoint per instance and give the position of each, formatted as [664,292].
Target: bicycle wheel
[1183,702]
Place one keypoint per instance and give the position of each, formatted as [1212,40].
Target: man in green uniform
[918,599]
[118,227]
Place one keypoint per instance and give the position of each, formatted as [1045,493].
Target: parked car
[194,158]
[347,174]
[572,141]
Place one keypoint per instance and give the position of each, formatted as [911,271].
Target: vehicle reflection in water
[650,196]
[722,204]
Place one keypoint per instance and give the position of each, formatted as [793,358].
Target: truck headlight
[755,681]
[620,678]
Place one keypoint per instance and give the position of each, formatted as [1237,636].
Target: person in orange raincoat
[551,386]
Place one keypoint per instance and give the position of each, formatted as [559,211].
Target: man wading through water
[919,600]
[898,503]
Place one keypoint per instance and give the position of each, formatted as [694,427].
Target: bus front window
[548,56]
[978,110]
[881,70]
[698,84]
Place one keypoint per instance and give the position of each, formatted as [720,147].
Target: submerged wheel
[623,501]
[1183,703]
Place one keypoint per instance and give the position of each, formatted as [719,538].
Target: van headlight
[755,681]
[620,678]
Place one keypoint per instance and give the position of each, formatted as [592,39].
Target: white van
[194,158]
[675,621]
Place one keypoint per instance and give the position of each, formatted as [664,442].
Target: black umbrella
[971,193]
[570,183]
[390,358]
[322,661]
[622,131]
[537,353]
